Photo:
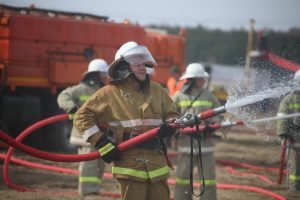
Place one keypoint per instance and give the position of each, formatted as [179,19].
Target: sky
[222,14]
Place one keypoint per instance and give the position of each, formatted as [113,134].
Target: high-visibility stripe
[197,103]
[210,181]
[107,148]
[83,179]
[158,172]
[294,106]
[139,173]
[89,132]
[130,172]
[180,181]
[294,178]
[136,122]
[83,98]
[195,150]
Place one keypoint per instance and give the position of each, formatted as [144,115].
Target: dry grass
[241,146]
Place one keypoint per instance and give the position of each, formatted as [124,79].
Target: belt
[152,144]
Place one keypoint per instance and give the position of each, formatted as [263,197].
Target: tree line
[229,47]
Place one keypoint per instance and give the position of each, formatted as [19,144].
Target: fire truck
[44,51]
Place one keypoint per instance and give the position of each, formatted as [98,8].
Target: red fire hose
[282,160]
[170,181]
[261,177]
[248,166]
[74,158]
[124,146]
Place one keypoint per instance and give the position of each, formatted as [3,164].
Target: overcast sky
[224,14]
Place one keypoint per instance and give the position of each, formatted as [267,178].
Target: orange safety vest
[174,85]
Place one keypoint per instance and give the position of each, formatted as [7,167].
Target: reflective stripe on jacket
[74,97]
[290,104]
[127,109]
[206,100]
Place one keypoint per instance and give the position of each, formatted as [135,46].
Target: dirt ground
[240,145]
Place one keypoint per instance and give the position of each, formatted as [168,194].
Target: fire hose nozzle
[184,121]
[211,113]
[188,119]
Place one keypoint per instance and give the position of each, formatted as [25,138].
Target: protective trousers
[294,168]
[90,173]
[144,190]
[182,188]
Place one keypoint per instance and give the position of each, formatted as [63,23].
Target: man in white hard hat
[131,105]
[194,98]
[289,129]
[70,99]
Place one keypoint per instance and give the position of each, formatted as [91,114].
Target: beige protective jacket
[126,108]
[74,97]
[205,101]
[290,104]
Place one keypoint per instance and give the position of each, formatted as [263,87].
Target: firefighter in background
[131,104]
[70,99]
[173,83]
[289,129]
[194,98]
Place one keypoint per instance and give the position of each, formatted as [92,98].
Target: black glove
[165,130]
[108,150]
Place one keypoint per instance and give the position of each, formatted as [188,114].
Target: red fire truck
[44,51]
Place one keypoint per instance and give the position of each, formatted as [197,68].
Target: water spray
[276,118]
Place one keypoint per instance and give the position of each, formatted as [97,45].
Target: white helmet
[133,54]
[125,47]
[195,70]
[297,75]
[97,65]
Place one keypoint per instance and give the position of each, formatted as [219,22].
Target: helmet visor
[139,55]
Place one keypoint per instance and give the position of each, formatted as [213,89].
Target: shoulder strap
[194,99]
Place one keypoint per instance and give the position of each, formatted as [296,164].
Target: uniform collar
[133,83]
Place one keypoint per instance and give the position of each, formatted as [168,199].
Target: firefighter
[131,104]
[70,99]
[289,129]
[173,83]
[195,98]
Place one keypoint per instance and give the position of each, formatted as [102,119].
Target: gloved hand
[108,149]
[165,130]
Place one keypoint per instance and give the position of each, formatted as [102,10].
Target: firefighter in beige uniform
[70,99]
[195,98]
[131,104]
[290,129]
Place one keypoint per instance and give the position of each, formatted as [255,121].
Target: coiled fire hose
[109,175]
[124,146]
[94,155]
